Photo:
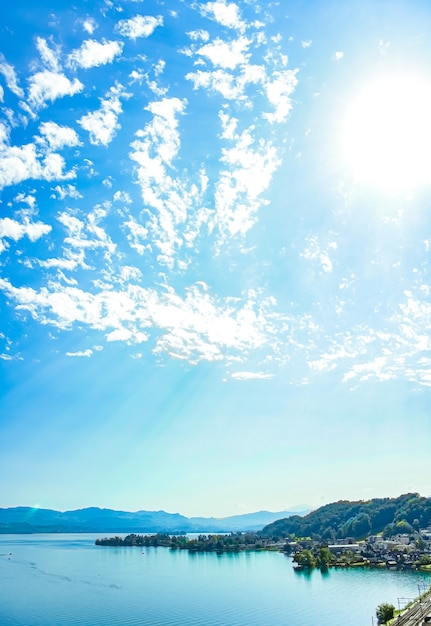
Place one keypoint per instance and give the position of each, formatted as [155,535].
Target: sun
[386,133]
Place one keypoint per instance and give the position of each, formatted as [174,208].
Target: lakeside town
[402,552]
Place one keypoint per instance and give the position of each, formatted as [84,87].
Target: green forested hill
[357,519]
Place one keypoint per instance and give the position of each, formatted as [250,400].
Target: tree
[425,559]
[420,544]
[305,558]
[385,612]
[324,557]
[403,527]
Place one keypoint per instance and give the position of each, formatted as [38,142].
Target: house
[340,548]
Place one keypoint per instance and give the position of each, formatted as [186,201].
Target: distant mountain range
[32,520]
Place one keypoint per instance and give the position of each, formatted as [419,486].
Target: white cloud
[251,376]
[128,273]
[12,229]
[10,76]
[122,196]
[70,262]
[306,43]
[66,191]
[341,349]
[315,252]
[139,26]
[229,126]
[159,67]
[137,77]
[154,151]
[231,87]
[89,25]
[227,55]
[29,200]
[47,86]
[126,335]
[250,167]
[226,14]
[94,53]
[338,55]
[398,350]
[85,244]
[176,212]
[199,35]
[194,327]
[81,353]
[103,123]
[279,90]
[374,369]
[137,235]
[50,58]
[18,163]
[58,136]
[249,163]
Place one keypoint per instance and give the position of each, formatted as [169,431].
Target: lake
[65,580]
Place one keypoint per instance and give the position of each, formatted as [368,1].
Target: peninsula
[385,532]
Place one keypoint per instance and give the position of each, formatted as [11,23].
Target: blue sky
[214,253]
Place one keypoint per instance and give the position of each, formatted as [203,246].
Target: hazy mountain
[94,519]
[247,521]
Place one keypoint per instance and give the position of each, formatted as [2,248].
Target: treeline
[342,519]
[159,539]
[234,542]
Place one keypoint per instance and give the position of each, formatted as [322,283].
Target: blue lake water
[65,580]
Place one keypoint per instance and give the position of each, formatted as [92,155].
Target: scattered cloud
[57,136]
[249,167]
[192,180]
[19,163]
[94,53]
[139,26]
[137,236]
[122,196]
[315,252]
[10,77]
[48,86]
[12,229]
[226,14]
[89,25]
[199,35]
[251,376]
[103,123]
[229,86]
[195,327]
[227,55]
[154,150]
[279,89]
[50,56]
[66,191]
[81,353]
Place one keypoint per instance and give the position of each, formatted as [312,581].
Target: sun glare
[387,133]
